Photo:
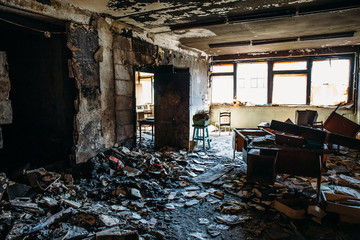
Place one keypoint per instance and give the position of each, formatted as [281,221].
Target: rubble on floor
[169,194]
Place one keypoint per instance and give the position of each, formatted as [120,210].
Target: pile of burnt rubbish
[130,194]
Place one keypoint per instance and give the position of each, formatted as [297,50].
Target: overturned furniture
[267,155]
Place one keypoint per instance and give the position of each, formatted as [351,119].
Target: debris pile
[168,194]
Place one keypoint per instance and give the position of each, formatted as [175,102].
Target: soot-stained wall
[130,52]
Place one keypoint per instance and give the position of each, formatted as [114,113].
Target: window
[314,81]
[252,82]
[330,81]
[222,89]
[223,68]
[289,89]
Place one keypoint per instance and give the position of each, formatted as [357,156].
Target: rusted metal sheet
[172,107]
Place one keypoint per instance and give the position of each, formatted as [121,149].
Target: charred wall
[130,52]
[100,55]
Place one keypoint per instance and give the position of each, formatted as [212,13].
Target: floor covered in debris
[174,194]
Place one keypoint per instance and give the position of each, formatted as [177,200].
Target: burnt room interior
[179,119]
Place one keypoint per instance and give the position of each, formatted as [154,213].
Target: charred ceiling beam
[282,40]
[327,36]
[274,40]
[334,6]
[230,44]
[285,54]
[204,23]
[263,15]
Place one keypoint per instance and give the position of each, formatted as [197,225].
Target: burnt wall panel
[5,103]
[83,42]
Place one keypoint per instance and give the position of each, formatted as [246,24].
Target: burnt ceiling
[223,27]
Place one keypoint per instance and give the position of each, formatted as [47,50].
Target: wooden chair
[224,121]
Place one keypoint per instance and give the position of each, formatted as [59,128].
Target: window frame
[309,60]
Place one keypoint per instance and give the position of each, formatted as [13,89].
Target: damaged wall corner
[5,103]
[83,43]
[107,82]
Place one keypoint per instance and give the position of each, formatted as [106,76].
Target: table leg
[140,132]
[152,132]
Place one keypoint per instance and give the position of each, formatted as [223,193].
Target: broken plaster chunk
[204,221]
[190,194]
[198,235]
[72,203]
[109,221]
[231,219]
[170,206]
[192,203]
[202,195]
[172,196]
[50,202]
[192,154]
[118,208]
[135,192]
[192,188]
[135,216]
[197,168]
[192,174]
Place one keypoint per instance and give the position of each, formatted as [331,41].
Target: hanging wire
[47,34]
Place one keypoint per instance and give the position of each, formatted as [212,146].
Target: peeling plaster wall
[107,83]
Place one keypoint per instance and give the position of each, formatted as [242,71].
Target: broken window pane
[222,89]
[330,81]
[289,89]
[252,82]
[223,68]
[283,66]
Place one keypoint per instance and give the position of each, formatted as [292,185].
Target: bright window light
[330,82]
[283,66]
[223,68]
[252,82]
[222,89]
[289,89]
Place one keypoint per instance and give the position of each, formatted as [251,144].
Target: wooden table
[148,122]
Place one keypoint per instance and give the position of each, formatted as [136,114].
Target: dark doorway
[42,94]
[172,89]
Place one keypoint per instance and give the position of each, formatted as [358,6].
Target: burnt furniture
[242,136]
[266,158]
[224,121]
